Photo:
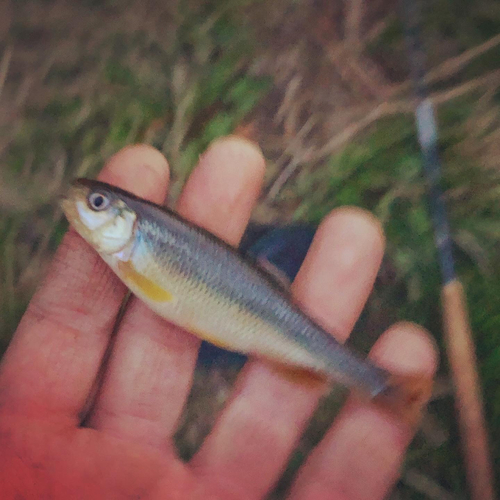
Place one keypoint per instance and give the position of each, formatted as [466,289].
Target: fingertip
[139,168]
[360,223]
[406,348]
[237,147]
[233,158]
[357,237]
[221,191]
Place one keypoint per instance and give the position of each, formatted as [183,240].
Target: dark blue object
[284,248]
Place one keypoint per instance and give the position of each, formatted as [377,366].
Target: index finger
[55,354]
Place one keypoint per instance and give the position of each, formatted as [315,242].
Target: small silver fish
[195,280]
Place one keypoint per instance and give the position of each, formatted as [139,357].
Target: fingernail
[236,146]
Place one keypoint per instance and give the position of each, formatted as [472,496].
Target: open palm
[125,449]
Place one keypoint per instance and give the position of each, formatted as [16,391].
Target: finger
[255,434]
[222,191]
[360,456]
[55,354]
[152,364]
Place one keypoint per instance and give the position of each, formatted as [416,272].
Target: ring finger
[268,411]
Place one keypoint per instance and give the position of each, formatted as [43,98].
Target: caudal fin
[405,396]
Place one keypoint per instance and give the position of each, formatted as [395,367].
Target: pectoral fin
[148,287]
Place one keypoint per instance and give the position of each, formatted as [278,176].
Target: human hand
[126,450]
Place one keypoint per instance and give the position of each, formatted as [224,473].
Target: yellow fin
[150,289]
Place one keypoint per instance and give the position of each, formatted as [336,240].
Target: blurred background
[323,87]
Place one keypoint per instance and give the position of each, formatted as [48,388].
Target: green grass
[177,93]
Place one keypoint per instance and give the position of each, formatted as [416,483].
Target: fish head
[100,215]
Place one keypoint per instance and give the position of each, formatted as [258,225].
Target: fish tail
[406,396]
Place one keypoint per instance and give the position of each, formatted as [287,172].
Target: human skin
[125,449]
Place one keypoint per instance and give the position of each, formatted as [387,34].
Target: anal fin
[300,376]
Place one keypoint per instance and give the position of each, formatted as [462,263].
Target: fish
[195,280]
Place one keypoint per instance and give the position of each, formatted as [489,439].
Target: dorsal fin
[274,273]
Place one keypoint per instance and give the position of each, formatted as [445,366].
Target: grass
[81,81]
[132,86]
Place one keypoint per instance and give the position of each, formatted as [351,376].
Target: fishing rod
[457,330]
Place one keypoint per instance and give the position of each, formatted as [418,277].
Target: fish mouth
[62,198]
[68,200]
[65,202]
[64,195]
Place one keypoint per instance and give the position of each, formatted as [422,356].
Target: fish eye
[98,201]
